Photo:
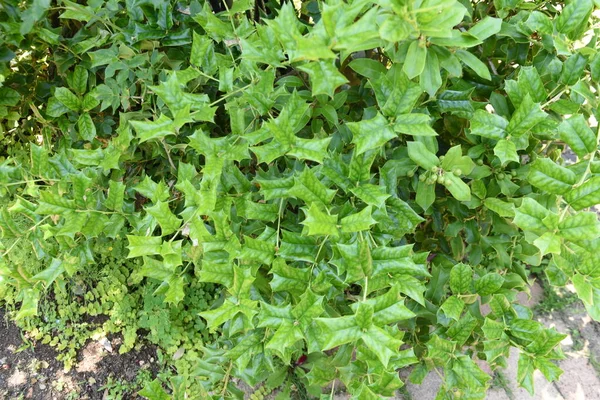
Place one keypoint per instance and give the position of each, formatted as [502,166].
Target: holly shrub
[366,185]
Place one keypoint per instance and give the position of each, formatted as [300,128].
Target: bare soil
[32,372]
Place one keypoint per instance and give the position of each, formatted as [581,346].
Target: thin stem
[226,382]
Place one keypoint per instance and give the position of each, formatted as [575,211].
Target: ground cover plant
[291,196]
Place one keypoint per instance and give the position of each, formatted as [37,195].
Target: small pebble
[42,386]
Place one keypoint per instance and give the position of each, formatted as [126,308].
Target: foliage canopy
[357,178]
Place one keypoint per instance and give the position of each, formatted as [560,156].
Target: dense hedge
[354,178]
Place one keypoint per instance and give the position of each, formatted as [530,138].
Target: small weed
[404,393]
[502,381]
[578,342]
[555,299]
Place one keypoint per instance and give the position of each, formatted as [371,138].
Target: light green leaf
[469,373]
[584,289]
[324,77]
[308,188]
[66,97]
[580,226]
[500,207]
[461,279]
[577,134]
[415,59]
[586,195]
[453,307]
[506,151]
[474,63]
[573,16]
[414,124]
[486,28]
[116,192]
[367,67]
[459,190]
[488,125]
[360,221]
[551,177]
[168,222]
[489,284]
[143,245]
[548,243]
[371,134]
[372,195]
[87,129]
[421,155]
[319,222]
[148,130]
[525,118]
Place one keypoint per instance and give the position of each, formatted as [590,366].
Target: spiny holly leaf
[461,279]
[161,212]
[551,177]
[371,133]
[320,222]
[360,221]
[324,77]
[586,195]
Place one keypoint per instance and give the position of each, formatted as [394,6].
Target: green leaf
[154,391]
[360,221]
[78,81]
[371,134]
[364,315]
[573,16]
[143,245]
[371,194]
[500,207]
[459,190]
[149,130]
[532,216]
[324,77]
[55,108]
[308,188]
[453,307]
[586,195]
[310,149]
[367,67]
[161,212]
[525,372]
[577,134]
[49,275]
[486,28]
[319,222]
[431,78]
[283,340]
[87,129]
[469,373]
[414,124]
[461,279]
[489,284]
[415,59]
[551,177]
[67,98]
[421,155]
[581,226]
[488,125]
[525,118]
[425,195]
[531,83]
[9,97]
[290,279]
[338,331]
[583,288]
[116,192]
[506,151]
[474,63]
